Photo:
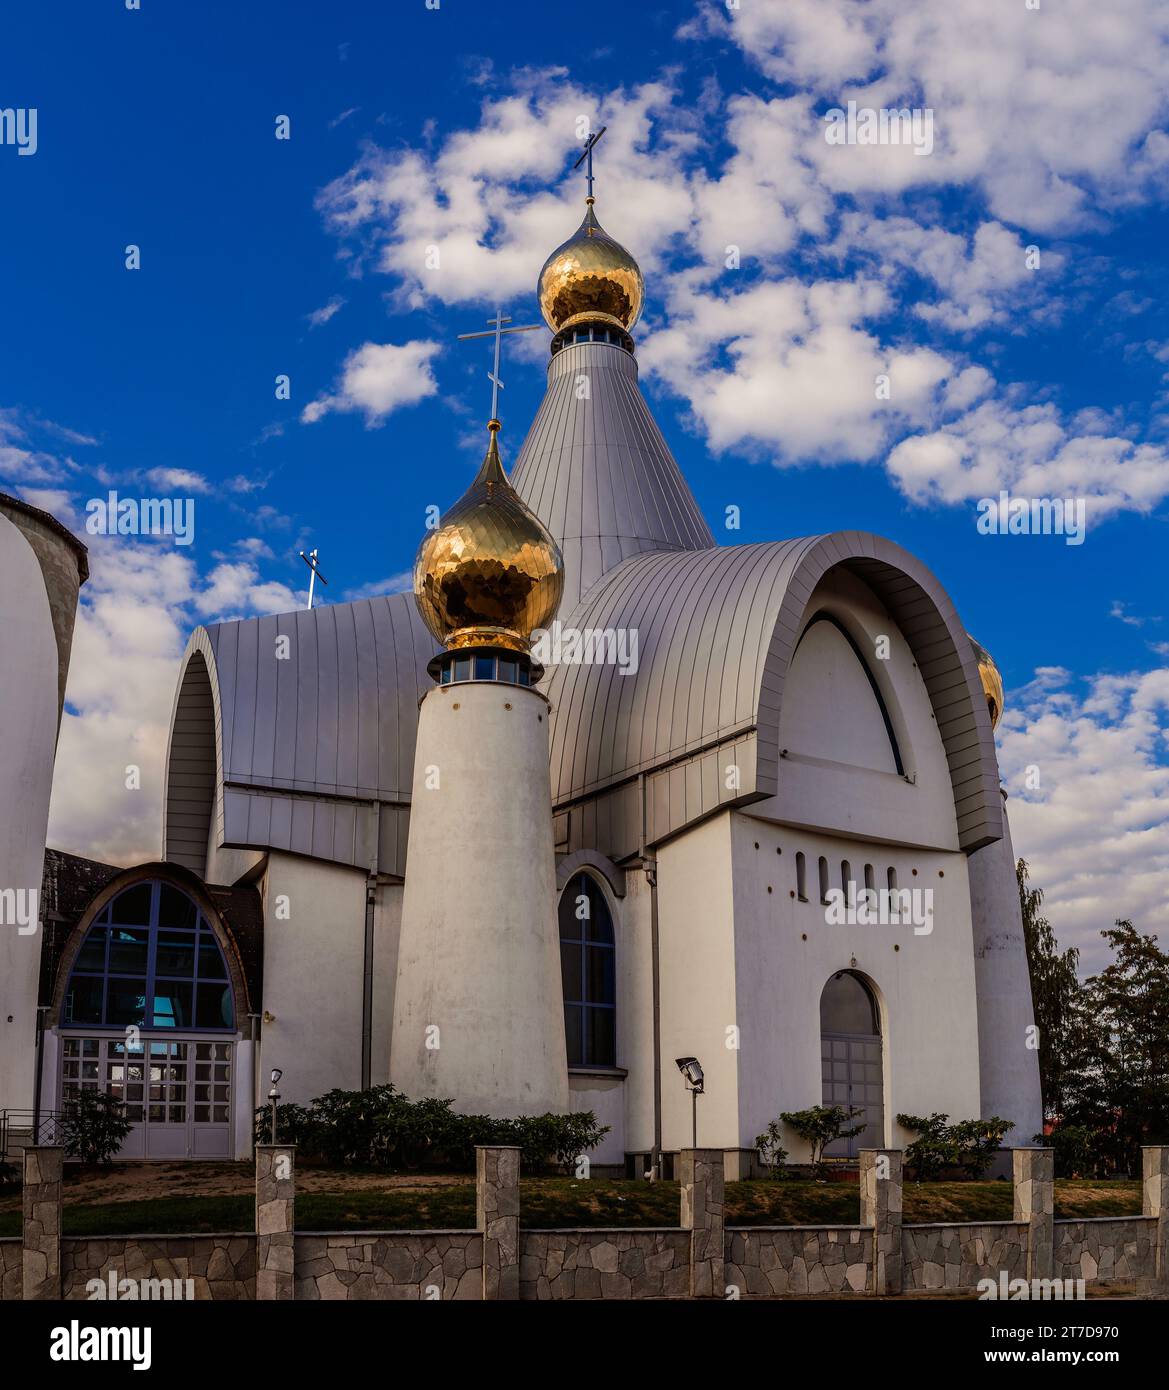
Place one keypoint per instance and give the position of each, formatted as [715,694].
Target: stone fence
[699,1258]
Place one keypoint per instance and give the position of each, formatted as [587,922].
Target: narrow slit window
[801,877]
[823,879]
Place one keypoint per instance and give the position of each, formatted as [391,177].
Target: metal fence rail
[19,1128]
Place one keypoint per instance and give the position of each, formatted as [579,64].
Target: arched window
[823,879]
[801,877]
[151,959]
[588,969]
[850,1050]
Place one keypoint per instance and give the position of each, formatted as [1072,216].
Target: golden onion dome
[490,574]
[992,681]
[590,278]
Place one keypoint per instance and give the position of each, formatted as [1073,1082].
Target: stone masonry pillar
[497,1215]
[1035,1203]
[1155,1189]
[43,1166]
[880,1184]
[702,1216]
[275,1219]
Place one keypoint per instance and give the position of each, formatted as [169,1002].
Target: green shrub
[381,1128]
[822,1125]
[1076,1150]
[94,1126]
[772,1154]
[969,1145]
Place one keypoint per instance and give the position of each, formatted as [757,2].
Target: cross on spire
[311,561]
[588,155]
[497,331]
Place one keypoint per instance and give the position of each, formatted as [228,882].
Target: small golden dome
[992,681]
[590,278]
[490,574]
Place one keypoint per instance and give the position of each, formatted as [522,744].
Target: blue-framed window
[589,970]
[150,959]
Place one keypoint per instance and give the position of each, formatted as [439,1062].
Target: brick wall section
[1106,1249]
[604,1263]
[11,1269]
[943,1256]
[275,1208]
[497,1217]
[1155,1203]
[701,1172]
[880,1194]
[768,1261]
[41,1201]
[390,1265]
[1034,1174]
[220,1267]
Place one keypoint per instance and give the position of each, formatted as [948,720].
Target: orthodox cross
[311,561]
[497,331]
[588,155]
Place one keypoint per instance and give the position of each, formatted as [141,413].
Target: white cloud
[378,378]
[176,480]
[1096,831]
[393,584]
[133,619]
[325,312]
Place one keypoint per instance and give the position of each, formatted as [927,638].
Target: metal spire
[311,561]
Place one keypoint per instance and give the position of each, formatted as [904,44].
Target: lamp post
[274,1096]
[692,1074]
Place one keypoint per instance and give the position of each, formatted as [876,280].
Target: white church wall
[786,951]
[313,964]
[698,983]
[28,735]
[838,773]
[225,864]
[605,1097]
[387,924]
[635,1010]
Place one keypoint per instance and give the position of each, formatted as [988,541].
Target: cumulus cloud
[133,619]
[377,379]
[1096,829]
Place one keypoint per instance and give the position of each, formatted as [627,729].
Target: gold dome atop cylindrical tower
[992,681]
[590,279]
[491,573]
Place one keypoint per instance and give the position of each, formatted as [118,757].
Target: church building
[599,796]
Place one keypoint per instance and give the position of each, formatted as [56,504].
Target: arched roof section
[715,632]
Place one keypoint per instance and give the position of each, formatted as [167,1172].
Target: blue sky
[454,127]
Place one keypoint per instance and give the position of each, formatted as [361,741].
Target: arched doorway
[850,1052]
[147,1012]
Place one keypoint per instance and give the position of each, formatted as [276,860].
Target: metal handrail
[45,1129]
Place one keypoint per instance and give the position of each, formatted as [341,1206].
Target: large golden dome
[590,278]
[992,681]
[490,574]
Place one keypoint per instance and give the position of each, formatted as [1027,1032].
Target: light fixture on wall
[692,1074]
[274,1096]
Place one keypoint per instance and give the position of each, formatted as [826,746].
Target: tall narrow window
[823,879]
[588,968]
[845,877]
[801,877]
[891,879]
[870,881]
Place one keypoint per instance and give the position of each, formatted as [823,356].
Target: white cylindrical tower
[478,1009]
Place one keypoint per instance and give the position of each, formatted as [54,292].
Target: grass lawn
[340,1200]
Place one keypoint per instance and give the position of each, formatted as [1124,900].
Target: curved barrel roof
[313,752]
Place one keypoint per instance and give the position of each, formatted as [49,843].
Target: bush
[772,1154]
[1076,1150]
[94,1126]
[381,1128]
[822,1125]
[969,1145]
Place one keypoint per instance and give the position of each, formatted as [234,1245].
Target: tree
[1056,996]
[1122,1089]
[822,1125]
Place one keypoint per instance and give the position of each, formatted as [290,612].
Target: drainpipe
[254,1039]
[650,865]
[42,1010]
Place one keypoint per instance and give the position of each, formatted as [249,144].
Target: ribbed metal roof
[299,741]
[597,472]
[716,631]
[314,754]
